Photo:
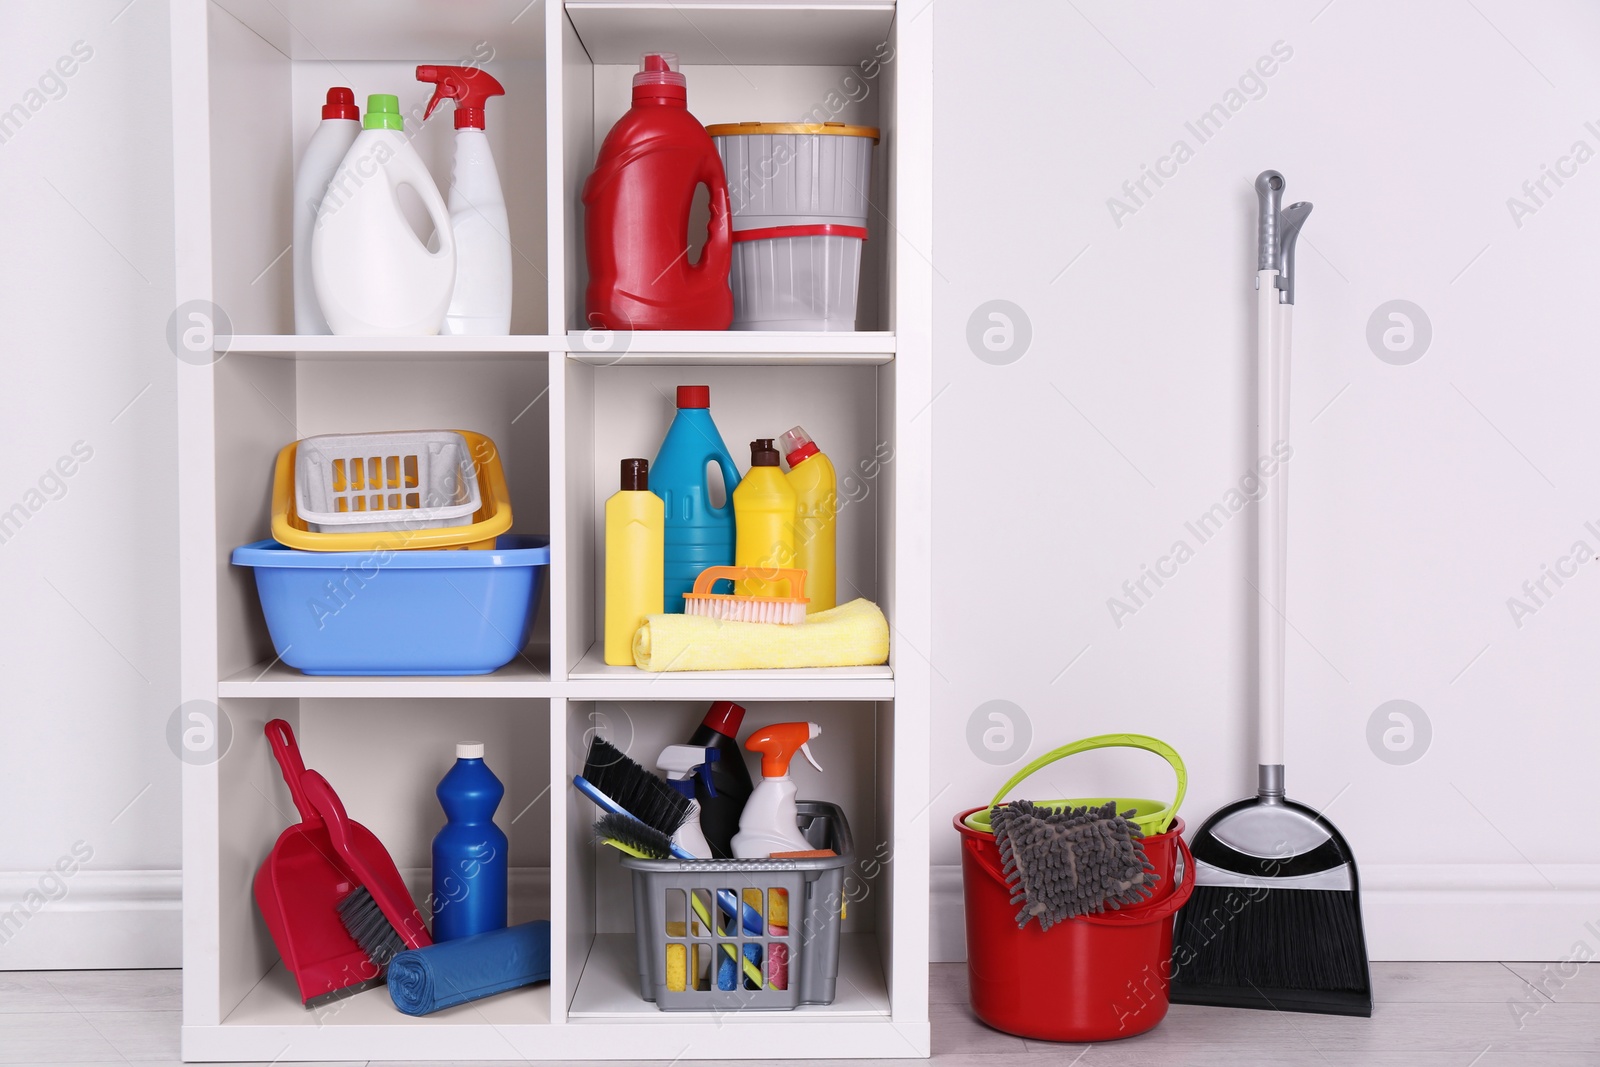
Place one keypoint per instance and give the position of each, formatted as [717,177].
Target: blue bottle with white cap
[470,854]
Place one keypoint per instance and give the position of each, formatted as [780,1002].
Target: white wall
[1423,495]
[88,641]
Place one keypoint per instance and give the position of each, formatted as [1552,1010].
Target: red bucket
[1093,978]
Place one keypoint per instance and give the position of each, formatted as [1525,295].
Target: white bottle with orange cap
[771,821]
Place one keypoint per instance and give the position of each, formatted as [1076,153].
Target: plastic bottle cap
[469,750]
[659,68]
[762,453]
[341,104]
[383,113]
[725,717]
[798,445]
[636,474]
[694,396]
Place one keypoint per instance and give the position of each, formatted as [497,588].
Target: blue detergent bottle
[698,535]
[470,854]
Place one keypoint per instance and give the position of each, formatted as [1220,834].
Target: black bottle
[719,815]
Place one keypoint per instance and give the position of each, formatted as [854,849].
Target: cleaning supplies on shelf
[373,275]
[799,193]
[490,520]
[1061,862]
[298,889]
[635,546]
[399,613]
[799,942]
[405,480]
[637,205]
[851,635]
[1045,857]
[744,607]
[470,853]
[481,301]
[770,822]
[722,799]
[688,769]
[425,980]
[698,534]
[1299,946]
[764,511]
[341,122]
[816,524]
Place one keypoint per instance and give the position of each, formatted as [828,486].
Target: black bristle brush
[622,787]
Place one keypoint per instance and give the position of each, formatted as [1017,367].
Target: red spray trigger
[469,87]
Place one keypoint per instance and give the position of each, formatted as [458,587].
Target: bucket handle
[1089,744]
[1162,910]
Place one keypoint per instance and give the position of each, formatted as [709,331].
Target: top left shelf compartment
[272,61]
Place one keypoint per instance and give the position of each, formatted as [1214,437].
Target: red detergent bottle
[636,215]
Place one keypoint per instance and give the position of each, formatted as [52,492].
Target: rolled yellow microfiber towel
[851,635]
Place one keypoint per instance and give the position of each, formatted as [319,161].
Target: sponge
[677,968]
[1066,861]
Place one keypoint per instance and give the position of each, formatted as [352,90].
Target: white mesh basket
[407,480]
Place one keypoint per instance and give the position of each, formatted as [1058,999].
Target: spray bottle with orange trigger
[770,821]
[481,303]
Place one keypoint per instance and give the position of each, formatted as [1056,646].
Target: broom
[1275,919]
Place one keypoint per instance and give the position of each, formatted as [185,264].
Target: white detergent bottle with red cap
[341,121]
[771,821]
[481,303]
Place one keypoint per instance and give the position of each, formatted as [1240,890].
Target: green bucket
[1150,816]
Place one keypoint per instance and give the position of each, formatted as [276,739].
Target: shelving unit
[564,404]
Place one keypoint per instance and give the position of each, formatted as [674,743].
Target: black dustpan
[1275,919]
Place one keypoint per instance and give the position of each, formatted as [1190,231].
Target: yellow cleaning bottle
[763,521]
[816,518]
[636,522]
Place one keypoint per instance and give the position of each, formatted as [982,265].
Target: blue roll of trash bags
[424,980]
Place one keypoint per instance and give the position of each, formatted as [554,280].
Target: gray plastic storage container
[799,195]
[663,915]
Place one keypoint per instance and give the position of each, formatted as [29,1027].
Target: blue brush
[725,898]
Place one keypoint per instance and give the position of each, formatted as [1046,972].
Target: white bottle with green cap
[373,276]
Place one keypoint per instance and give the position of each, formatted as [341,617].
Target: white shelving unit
[564,405]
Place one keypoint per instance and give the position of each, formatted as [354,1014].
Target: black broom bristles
[1265,939]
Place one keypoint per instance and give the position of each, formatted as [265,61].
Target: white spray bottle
[771,821]
[341,121]
[682,764]
[481,303]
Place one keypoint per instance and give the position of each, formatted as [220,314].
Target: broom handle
[1272,515]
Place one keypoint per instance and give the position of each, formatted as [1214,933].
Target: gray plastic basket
[663,915]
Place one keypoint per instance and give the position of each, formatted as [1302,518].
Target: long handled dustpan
[1275,919]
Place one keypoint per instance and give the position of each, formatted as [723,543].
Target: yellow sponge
[778,908]
[677,968]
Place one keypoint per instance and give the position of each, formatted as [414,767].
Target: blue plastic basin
[399,612]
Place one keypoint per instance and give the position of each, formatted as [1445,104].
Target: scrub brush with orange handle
[733,607]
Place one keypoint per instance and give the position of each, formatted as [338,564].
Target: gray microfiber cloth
[1064,862]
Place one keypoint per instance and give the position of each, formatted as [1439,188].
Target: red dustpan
[304,878]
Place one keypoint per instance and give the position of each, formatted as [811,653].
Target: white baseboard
[90,919]
[1454,911]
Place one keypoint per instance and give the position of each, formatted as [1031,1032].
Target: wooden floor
[1427,1015]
